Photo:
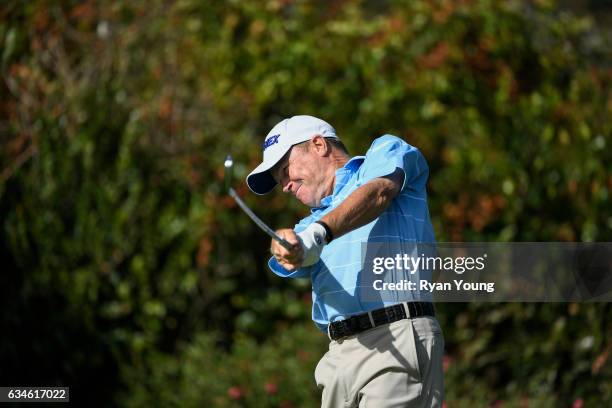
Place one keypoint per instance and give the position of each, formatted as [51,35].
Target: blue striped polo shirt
[338,277]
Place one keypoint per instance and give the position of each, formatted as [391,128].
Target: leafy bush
[277,373]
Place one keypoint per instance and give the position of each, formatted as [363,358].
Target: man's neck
[339,159]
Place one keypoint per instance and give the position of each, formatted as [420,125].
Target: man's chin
[306,201]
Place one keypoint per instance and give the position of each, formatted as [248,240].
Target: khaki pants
[394,365]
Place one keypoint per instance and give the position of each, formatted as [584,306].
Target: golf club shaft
[258,221]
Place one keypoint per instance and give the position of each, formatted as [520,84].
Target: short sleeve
[283,273]
[388,153]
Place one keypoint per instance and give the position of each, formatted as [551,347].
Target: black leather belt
[361,322]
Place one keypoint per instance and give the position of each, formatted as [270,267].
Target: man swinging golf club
[384,352]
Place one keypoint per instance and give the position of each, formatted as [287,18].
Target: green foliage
[251,375]
[548,355]
[121,250]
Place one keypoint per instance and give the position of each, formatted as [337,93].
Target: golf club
[229,164]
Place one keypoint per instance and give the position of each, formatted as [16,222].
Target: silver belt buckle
[407,310]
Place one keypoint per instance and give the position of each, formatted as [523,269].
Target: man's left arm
[362,206]
[365,204]
[391,166]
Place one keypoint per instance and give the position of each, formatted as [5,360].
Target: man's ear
[320,145]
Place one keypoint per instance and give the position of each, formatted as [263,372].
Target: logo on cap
[270,141]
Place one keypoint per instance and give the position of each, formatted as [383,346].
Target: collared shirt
[338,277]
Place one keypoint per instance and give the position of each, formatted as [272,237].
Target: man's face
[303,173]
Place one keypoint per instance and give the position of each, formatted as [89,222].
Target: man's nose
[287,186]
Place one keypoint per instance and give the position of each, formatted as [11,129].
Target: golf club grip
[258,221]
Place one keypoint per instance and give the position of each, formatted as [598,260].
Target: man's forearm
[364,205]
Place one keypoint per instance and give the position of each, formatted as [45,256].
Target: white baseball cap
[277,143]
